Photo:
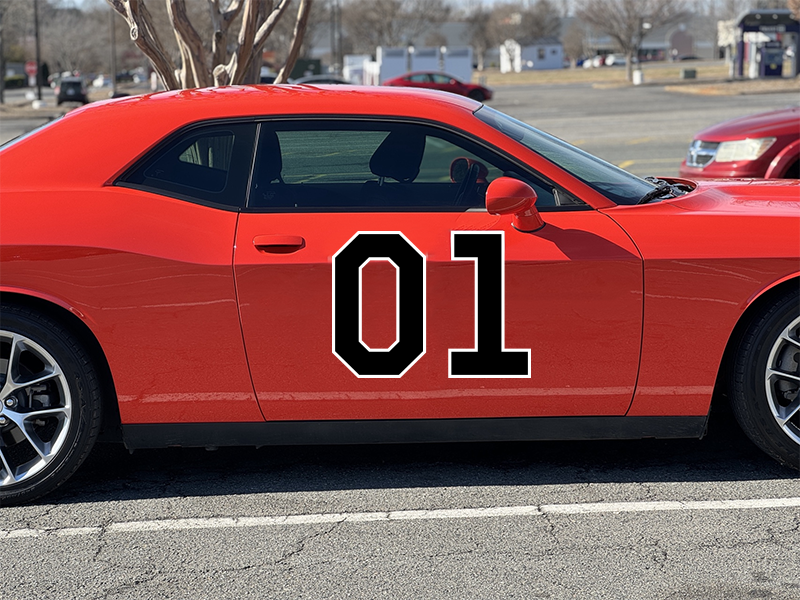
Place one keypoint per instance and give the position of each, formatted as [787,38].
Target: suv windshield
[615,184]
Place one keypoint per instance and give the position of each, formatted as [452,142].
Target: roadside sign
[31,68]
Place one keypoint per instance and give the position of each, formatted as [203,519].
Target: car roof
[139,122]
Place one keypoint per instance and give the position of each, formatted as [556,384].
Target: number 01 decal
[489,357]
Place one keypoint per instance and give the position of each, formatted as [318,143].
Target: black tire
[477,95]
[62,414]
[761,403]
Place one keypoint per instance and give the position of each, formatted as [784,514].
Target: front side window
[208,164]
[370,165]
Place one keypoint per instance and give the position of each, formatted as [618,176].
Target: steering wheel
[468,183]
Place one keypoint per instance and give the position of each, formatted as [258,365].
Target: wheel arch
[754,307]
[111,429]
[785,159]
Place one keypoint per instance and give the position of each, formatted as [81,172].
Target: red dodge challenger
[295,265]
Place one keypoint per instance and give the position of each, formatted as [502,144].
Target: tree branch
[146,39]
[192,50]
[297,41]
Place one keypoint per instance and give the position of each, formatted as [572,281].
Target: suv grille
[701,153]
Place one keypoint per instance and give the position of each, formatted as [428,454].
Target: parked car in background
[71,89]
[764,145]
[443,82]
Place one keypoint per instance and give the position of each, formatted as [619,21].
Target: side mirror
[509,196]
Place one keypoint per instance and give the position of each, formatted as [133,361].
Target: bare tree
[481,33]
[525,23]
[372,23]
[219,63]
[574,42]
[628,21]
[794,6]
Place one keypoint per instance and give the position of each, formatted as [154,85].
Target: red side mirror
[509,196]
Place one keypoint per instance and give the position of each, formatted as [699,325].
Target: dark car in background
[443,82]
[764,145]
[71,89]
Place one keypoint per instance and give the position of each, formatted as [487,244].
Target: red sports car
[442,82]
[765,145]
[233,266]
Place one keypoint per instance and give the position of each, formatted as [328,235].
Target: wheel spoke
[787,338]
[788,412]
[9,478]
[790,376]
[12,383]
[21,421]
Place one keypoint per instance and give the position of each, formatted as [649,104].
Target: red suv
[444,82]
[764,145]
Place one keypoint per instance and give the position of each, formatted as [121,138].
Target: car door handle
[279,244]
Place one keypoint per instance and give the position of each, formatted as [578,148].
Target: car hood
[744,196]
[773,123]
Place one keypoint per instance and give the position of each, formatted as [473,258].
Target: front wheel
[50,405]
[766,379]
[477,95]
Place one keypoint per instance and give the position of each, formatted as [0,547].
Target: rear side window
[208,164]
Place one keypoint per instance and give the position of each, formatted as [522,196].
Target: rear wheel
[477,95]
[766,380]
[50,406]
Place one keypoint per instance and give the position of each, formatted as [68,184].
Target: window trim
[456,131]
[162,143]
[168,141]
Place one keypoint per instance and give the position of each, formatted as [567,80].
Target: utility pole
[113,54]
[38,53]
[2,55]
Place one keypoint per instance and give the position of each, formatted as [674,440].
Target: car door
[373,285]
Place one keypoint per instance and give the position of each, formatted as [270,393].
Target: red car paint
[780,160]
[626,309]
[443,82]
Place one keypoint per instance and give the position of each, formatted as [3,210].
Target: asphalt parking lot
[707,519]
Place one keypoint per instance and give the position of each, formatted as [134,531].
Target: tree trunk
[297,41]
[629,65]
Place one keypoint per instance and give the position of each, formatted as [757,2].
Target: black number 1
[488,358]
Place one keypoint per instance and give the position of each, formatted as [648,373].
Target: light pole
[113,54]
[38,54]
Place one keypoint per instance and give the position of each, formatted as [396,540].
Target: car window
[209,164]
[315,166]
[616,184]
[420,78]
[441,79]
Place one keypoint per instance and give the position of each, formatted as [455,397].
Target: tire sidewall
[750,402]
[85,416]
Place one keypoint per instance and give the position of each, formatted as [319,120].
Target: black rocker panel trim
[278,433]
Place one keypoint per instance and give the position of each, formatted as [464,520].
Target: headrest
[269,163]
[399,156]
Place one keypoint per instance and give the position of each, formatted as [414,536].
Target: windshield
[615,184]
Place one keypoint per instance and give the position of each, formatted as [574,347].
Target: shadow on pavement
[112,473]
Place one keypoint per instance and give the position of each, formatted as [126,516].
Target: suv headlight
[749,149]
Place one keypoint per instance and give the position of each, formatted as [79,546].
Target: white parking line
[407,515]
